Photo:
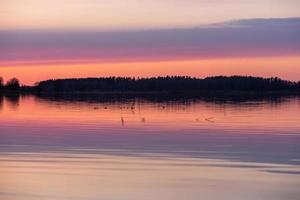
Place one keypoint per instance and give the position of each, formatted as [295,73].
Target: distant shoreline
[170,85]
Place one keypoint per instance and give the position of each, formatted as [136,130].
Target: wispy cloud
[253,37]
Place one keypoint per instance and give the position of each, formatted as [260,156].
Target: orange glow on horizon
[286,67]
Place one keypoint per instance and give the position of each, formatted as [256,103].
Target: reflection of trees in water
[12,100]
[166,102]
[1,101]
[173,99]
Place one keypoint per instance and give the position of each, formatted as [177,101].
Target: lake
[145,149]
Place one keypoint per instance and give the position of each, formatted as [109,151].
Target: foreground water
[143,150]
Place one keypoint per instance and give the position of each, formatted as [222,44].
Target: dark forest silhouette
[155,84]
[11,85]
[169,83]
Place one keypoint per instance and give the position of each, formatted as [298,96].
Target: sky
[44,39]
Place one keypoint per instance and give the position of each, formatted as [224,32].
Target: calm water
[145,150]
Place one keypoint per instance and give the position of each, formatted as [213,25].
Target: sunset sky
[43,39]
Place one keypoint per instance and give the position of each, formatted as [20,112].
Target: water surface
[141,149]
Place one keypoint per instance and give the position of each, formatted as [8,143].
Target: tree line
[167,83]
[11,85]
